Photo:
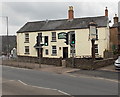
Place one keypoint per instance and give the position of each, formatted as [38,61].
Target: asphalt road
[66,83]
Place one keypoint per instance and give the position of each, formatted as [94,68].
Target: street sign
[62,35]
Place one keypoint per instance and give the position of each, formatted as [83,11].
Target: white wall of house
[82,45]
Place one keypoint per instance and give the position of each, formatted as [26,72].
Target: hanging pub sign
[92,29]
[92,32]
[62,35]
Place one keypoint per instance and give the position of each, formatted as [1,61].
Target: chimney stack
[106,12]
[115,19]
[70,13]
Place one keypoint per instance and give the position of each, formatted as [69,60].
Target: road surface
[65,83]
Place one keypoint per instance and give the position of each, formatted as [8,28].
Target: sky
[20,13]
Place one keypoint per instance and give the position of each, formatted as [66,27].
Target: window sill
[26,42]
[53,41]
[27,53]
[53,54]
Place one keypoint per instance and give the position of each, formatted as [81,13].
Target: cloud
[21,12]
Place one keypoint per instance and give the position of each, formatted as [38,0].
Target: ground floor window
[46,52]
[54,50]
[119,48]
[96,48]
[26,49]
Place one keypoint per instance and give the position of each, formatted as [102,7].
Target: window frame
[27,48]
[118,37]
[46,52]
[53,36]
[96,49]
[26,38]
[54,50]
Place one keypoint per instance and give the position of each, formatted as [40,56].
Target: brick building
[115,36]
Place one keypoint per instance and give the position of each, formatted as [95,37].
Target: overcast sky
[21,12]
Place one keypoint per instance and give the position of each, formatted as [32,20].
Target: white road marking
[22,82]
[63,92]
[45,88]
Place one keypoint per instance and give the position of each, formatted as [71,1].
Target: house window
[118,48]
[46,52]
[53,36]
[54,50]
[96,34]
[26,49]
[96,48]
[26,38]
[118,36]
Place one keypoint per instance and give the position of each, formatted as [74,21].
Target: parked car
[117,63]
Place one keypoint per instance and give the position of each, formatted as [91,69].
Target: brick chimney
[106,12]
[115,19]
[70,13]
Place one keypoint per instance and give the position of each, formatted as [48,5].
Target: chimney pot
[116,19]
[106,12]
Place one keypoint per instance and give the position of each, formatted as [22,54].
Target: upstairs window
[96,34]
[26,38]
[53,36]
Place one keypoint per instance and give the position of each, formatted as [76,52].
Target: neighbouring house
[7,43]
[47,38]
[115,36]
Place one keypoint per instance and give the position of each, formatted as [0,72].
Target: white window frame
[54,50]
[26,37]
[53,36]
[96,49]
[27,50]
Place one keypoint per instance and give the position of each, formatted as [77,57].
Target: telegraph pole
[7,38]
[7,35]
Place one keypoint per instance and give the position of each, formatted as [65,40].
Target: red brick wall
[113,38]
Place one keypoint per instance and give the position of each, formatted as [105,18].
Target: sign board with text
[62,35]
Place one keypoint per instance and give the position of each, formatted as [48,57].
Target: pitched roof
[116,25]
[63,24]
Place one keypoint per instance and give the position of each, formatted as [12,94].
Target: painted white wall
[83,44]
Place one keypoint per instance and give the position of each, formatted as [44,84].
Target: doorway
[65,52]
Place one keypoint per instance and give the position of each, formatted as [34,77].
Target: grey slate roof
[116,25]
[63,24]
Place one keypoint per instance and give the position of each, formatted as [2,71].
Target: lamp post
[92,37]
[7,35]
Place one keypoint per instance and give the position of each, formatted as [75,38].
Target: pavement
[107,72]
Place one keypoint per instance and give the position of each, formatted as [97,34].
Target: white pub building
[64,38]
